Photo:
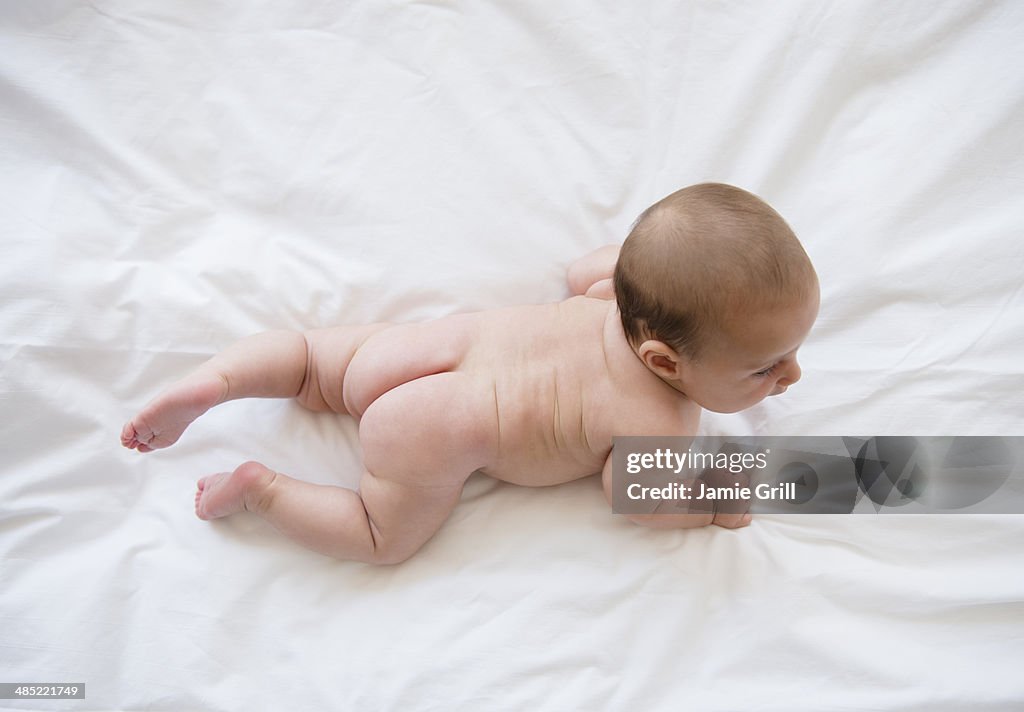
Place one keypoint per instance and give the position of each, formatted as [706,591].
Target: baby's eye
[766,372]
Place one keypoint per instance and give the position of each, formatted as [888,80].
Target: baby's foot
[230,492]
[165,418]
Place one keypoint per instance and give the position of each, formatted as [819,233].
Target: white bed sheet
[177,175]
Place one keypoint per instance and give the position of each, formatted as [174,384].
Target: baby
[705,306]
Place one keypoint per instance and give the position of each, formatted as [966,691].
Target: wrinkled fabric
[175,176]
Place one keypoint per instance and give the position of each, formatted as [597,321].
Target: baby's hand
[731,520]
[729,513]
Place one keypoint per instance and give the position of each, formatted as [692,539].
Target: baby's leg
[275,364]
[420,442]
[334,521]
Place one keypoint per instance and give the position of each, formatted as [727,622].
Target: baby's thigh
[437,430]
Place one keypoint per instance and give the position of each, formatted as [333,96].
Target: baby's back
[564,381]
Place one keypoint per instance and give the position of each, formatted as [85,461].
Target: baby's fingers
[732,521]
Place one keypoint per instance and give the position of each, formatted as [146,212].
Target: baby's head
[716,295]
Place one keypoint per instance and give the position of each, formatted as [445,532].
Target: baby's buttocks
[402,353]
[502,392]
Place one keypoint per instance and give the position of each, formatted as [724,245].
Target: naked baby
[704,306]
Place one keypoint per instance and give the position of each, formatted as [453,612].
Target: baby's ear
[660,358]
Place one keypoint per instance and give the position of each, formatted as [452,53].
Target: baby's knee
[603,289]
[398,545]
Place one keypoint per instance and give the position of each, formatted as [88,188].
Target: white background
[174,176]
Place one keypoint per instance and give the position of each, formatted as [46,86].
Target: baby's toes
[128,438]
[139,436]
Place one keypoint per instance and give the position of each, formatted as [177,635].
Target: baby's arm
[674,521]
[592,274]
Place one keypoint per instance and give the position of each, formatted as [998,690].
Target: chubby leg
[275,364]
[420,442]
[384,523]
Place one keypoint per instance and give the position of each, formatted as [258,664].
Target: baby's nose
[791,375]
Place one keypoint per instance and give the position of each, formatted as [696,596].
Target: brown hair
[703,254]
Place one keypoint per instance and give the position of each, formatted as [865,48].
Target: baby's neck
[625,365]
[620,354]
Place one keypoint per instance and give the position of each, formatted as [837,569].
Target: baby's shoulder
[646,406]
[664,413]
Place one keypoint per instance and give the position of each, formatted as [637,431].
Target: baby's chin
[713,408]
[728,409]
